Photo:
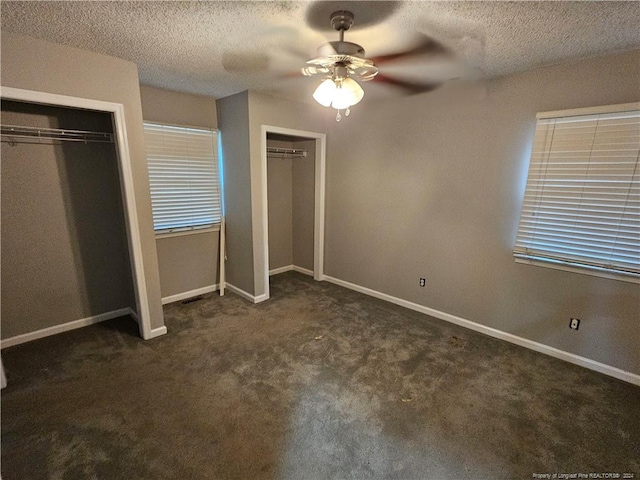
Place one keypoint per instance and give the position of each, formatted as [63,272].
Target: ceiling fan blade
[425,46]
[296,51]
[245,62]
[410,88]
[271,50]
[306,71]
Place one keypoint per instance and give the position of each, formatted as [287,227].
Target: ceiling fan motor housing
[342,20]
[341,59]
[341,48]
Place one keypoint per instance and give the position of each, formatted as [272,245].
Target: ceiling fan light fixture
[347,93]
[325,92]
[339,93]
[341,60]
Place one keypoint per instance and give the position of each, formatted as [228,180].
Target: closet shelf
[13,134]
[286,152]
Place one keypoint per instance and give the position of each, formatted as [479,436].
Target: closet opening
[71,248]
[293,168]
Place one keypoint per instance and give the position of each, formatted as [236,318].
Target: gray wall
[432,185]
[186,262]
[233,123]
[303,191]
[177,108]
[280,201]
[33,64]
[64,244]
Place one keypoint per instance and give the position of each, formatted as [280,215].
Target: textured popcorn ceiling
[221,48]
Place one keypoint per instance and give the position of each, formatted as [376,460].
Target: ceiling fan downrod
[338,61]
[342,21]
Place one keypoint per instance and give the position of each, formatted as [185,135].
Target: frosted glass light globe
[325,92]
[347,94]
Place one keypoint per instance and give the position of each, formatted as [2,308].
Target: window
[183,176]
[581,207]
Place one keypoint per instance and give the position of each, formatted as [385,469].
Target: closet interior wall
[291,199]
[65,252]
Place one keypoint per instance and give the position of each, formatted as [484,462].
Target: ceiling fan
[343,64]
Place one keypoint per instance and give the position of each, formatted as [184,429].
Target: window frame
[567,264]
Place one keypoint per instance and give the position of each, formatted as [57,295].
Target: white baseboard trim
[65,327]
[288,268]
[523,342]
[3,378]
[303,270]
[246,295]
[276,271]
[191,293]
[260,298]
[135,315]
[242,293]
[156,332]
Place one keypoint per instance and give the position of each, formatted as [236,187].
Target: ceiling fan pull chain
[347,112]
[338,116]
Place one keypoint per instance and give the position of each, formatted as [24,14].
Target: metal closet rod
[11,134]
[294,152]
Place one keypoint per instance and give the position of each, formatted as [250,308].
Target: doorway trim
[261,248]
[127,190]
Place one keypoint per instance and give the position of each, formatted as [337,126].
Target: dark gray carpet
[318,383]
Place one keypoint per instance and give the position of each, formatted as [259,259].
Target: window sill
[578,268]
[190,231]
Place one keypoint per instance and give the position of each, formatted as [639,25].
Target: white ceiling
[221,48]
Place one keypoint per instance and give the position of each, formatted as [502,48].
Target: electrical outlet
[574,324]
[423,282]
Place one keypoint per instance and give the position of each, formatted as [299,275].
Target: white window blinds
[183,176]
[582,199]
